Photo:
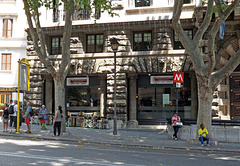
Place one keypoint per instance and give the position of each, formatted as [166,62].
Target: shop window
[142,3]
[176,42]
[142,41]
[6,62]
[7,27]
[56,45]
[83,96]
[95,43]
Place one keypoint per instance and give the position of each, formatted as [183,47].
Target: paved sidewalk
[126,137]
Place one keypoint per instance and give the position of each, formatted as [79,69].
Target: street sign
[178,85]
[178,77]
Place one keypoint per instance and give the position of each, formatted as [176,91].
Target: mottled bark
[207,77]
[58,74]
[59,90]
[205,97]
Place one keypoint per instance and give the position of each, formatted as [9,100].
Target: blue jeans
[175,128]
[201,139]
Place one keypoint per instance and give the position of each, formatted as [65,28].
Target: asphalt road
[41,152]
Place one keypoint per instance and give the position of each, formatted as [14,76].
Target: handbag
[179,124]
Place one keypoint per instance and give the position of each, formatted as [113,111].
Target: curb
[118,144]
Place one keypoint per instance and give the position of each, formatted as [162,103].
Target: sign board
[78,81]
[161,79]
[15,96]
[178,85]
[23,77]
[178,77]
[165,99]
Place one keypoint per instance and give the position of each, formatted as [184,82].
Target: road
[41,152]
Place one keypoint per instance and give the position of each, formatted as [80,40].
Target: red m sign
[178,77]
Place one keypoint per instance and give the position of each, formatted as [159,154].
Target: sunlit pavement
[56,153]
[134,138]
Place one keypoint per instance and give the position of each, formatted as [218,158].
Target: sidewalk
[126,137]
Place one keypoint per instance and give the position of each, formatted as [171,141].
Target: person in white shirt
[13,118]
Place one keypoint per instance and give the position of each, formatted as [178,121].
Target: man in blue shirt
[28,117]
[43,114]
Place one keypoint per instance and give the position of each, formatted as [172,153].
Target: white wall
[15,45]
[160,9]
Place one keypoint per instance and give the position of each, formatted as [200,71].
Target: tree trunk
[59,83]
[205,97]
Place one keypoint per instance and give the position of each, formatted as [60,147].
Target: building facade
[13,42]
[148,54]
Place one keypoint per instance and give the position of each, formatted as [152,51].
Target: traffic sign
[178,77]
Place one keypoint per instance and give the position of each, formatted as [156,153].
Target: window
[6,62]
[56,45]
[142,41]
[176,43]
[7,27]
[95,43]
[5,96]
[141,3]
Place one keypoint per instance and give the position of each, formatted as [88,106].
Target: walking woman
[57,121]
[5,117]
[175,119]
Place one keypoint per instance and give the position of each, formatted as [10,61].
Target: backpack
[11,109]
[31,112]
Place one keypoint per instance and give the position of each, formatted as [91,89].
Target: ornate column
[102,95]
[132,123]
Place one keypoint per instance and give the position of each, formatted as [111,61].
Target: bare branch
[218,76]
[213,32]
[35,38]
[202,29]
[65,65]
[219,8]
[222,18]
[190,46]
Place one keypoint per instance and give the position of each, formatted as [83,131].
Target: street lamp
[114,45]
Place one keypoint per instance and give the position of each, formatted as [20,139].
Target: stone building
[13,41]
[148,54]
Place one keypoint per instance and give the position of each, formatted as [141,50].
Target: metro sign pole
[178,79]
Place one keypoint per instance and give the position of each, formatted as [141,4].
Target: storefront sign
[161,80]
[78,81]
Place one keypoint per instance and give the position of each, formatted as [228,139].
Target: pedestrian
[57,121]
[5,117]
[13,116]
[11,102]
[43,117]
[27,117]
[175,119]
[203,135]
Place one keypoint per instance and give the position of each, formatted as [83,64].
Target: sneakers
[173,137]
[202,144]
[176,139]
[208,145]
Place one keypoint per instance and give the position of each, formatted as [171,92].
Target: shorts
[27,121]
[13,119]
[5,120]
[42,121]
